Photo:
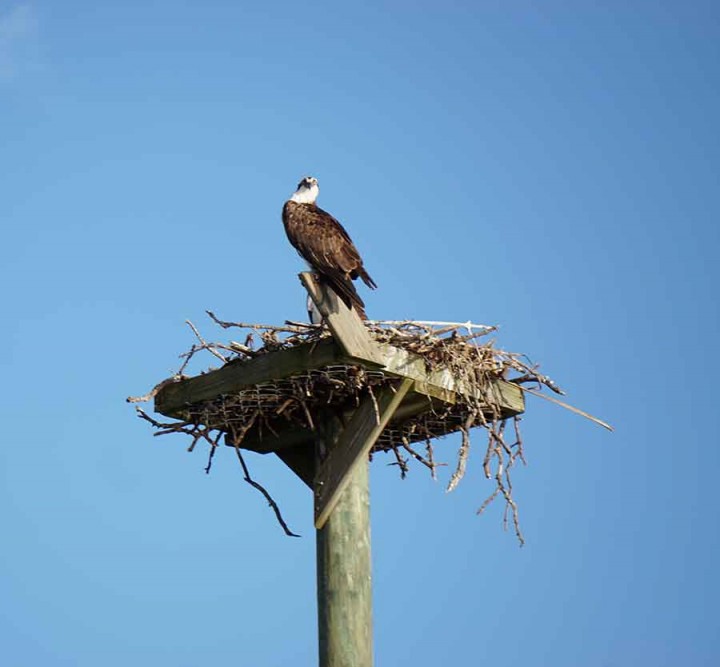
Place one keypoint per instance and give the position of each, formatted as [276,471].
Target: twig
[419,458]
[519,452]
[213,449]
[433,323]
[488,453]
[204,345]
[400,462]
[513,505]
[431,459]
[463,454]
[170,426]
[375,404]
[243,349]
[539,379]
[578,411]
[153,392]
[257,327]
[257,485]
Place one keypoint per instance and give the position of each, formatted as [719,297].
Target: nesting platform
[373,393]
[285,388]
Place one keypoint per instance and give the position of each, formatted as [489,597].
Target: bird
[314,315]
[325,245]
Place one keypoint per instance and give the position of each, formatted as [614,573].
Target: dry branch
[236,441]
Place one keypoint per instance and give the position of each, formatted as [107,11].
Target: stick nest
[462,348]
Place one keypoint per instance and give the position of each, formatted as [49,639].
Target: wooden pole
[342,519]
[344,580]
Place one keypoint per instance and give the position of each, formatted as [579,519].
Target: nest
[294,404]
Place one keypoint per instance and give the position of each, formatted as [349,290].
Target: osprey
[325,245]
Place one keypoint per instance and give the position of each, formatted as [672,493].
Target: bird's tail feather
[346,291]
[366,278]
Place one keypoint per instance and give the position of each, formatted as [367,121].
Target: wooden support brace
[301,460]
[346,326]
[353,446]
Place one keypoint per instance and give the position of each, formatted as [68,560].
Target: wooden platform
[403,390]
[267,370]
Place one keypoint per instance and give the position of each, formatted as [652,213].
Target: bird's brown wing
[325,244]
[346,254]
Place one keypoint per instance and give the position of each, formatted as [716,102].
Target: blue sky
[552,170]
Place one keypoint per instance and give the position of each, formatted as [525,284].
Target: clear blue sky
[551,170]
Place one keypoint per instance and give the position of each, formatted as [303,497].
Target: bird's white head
[307,191]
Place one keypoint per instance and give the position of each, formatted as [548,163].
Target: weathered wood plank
[238,375]
[509,396]
[346,326]
[353,446]
[441,383]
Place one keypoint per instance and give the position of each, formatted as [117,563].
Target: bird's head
[307,191]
